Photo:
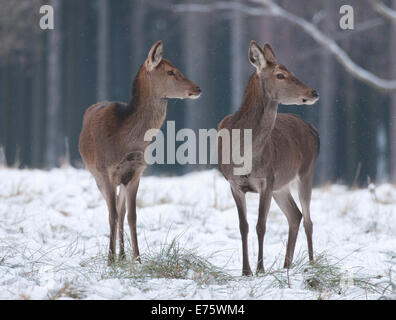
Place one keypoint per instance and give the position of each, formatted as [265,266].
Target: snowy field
[54,237]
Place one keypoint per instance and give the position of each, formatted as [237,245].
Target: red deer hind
[284,149]
[112,139]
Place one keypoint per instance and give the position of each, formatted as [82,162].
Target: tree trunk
[238,59]
[199,114]
[103,49]
[54,79]
[392,67]
[138,34]
[327,125]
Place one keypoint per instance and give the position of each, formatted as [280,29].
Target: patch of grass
[68,290]
[16,190]
[389,284]
[349,206]
[169,261]
[324,275]
[174,262]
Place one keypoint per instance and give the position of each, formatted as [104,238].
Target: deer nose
[315,93]
[198,89]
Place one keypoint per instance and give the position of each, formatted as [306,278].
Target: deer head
[166,80]
[280,84]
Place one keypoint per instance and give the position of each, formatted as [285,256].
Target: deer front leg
[265,202]
[132,189]
[240,201]
[113,219]
[304,192]
[121,209]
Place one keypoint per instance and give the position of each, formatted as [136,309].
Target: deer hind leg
[264,206]
[286,203]
[128,168]
[304,193]
[121,209]
[240,201]
[127,173]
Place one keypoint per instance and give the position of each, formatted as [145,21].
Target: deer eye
[171,73]
[280,76]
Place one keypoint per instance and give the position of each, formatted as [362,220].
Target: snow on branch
[343,58]
[270,8]
[221,5]
[383,10]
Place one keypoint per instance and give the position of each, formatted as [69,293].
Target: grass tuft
[169,261]
[68,291]
[327,276]
[174,262]
[388,285]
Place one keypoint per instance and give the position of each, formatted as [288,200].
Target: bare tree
[238,56]
[23,16]
[390,15]
[138,31]
[196,42]
[103,49]
[270,8]
[392,55]
[385,11]
[54,91]
[327,123]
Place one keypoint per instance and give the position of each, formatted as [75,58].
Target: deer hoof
[137,258]
[110,259]
[260,271]
[122,256]
[247,273]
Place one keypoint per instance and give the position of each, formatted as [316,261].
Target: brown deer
[112,139]
[284,149]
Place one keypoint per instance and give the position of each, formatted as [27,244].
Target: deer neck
[146,110]
[258,111]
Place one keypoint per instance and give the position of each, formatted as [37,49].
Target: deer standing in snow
[112,141]
[284,149]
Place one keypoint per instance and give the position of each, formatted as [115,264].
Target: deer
[112,143]
[284,149]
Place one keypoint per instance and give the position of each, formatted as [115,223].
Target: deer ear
[269,54]
[155,55]
[256,56]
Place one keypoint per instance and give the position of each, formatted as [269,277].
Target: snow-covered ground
[54,236]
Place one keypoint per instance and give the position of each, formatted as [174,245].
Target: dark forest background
[49,78]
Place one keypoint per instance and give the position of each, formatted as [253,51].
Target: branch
[221,5]
[383,10]
[270,8]
[343,58]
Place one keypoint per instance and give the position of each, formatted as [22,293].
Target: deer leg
[304,193]
[240,201]
[132,189]
[121,209]
[287,204]
[265,202]
[110,196]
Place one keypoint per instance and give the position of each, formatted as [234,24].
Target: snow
[54,236]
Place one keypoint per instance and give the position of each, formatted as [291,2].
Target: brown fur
[285,148]
[112,139]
